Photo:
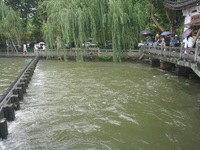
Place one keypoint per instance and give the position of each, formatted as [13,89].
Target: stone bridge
[181,60]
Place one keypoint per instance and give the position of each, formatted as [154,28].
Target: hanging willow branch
[119,21]
[10,22]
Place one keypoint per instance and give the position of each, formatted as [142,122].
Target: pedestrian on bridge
[148,40]
[177,42]
[190,41]
[167,40]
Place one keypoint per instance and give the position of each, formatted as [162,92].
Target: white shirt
[190,42]
[24,48]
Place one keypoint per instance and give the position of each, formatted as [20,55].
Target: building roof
[180,5]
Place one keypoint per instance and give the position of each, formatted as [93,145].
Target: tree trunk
[14,46]
[7,44]
[155,20]
[170,21]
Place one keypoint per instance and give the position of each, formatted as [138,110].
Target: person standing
[177,41]
[25,49]
[148,40]
[190,41]
[157,38]
[162,42]
[167,40]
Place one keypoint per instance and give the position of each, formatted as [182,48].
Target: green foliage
[10,22]
[194,66]
[175,59]
[77,21]
[106,58]
[26,8]
[119,21]
[28,12]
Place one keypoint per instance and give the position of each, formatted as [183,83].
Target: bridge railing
[88,52]
[181,53]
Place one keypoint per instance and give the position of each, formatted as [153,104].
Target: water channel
[106,106]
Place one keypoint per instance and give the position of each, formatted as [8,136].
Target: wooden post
[23,85]
[155,63]
[3,128]
[25,80]
[9,112]
[18,91]
[15,102]
[166,66]
[182,71]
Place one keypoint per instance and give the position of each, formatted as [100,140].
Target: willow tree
[10,24]
[119,21]
[126,18]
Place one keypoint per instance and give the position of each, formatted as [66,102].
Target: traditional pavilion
[191,12]
[190,9]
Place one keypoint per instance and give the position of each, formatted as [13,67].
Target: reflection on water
[106,106]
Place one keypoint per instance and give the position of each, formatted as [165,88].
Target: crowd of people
[166,40]
[173,40]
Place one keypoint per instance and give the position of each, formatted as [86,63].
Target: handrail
[175,52]
[176,55]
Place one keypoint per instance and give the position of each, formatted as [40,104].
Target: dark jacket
[167,41]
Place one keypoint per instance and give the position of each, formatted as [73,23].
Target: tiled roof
[180,5]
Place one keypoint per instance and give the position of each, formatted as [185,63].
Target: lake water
[106,106]
[10,68]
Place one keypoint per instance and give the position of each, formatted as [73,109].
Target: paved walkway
[5,54]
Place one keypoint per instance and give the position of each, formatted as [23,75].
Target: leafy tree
[26,8]
[10,24]
[119,21]
[31,23]
[165,19]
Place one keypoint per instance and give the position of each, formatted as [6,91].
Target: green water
[106,106]
[10,68]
